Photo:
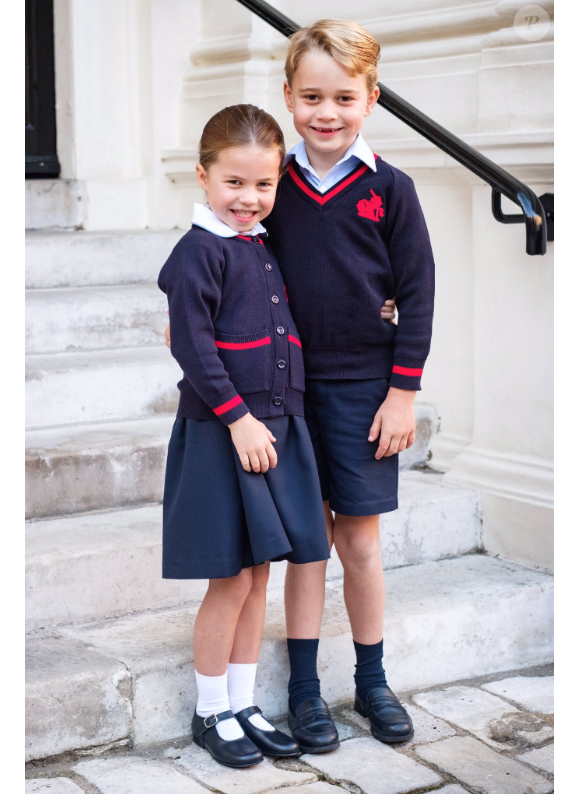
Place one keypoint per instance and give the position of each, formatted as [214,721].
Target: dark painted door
[41,158]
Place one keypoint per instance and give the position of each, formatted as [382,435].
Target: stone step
[94,318]
[100,386]
[133,676]
[100,565]
[93,467]
[99,466]
[84,259]
[55,203]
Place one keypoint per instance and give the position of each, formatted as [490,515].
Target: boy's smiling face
[328,104]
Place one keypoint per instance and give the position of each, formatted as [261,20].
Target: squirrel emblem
[371,208]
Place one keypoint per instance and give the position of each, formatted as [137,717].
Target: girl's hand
[388,311]
[253,442]
[395,422]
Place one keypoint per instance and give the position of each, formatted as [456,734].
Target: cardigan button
[277,401]
[280,330]
[275,299]
[268,267]
[281,364]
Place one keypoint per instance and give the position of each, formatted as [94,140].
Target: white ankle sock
[241,680]
[212,698]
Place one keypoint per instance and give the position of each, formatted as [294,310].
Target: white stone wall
[137,80]
[119,70]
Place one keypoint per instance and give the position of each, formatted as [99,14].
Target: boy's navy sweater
[343,253]
[231,329]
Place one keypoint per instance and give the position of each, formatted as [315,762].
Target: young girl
[241,485]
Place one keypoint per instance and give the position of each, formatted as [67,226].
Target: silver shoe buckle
[211,724]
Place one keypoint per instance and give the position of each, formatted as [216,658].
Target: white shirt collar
[206,218]
[358,148]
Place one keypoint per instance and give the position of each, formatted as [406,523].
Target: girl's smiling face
[241,184]
[328,103]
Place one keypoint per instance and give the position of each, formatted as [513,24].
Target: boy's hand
[168,337]
[388,311]
[395,422]
[253,442]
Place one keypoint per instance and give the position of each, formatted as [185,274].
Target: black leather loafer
[273,743]
[238,753]
[389,721]
[313,727]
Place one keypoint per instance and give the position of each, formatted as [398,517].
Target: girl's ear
[372,100]
[201,175]
[288,98]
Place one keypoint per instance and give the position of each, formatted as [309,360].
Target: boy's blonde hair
[347,42]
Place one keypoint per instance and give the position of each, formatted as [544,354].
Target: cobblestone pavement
[489,735]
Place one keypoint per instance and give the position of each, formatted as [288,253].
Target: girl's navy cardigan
[231,329]
[343,253]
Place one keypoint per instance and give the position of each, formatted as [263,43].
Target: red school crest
[371,208]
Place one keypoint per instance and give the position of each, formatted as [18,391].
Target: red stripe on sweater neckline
[322,199]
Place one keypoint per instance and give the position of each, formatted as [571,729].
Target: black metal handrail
[537,212]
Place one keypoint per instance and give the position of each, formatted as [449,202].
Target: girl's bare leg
[216,622]
[248,635]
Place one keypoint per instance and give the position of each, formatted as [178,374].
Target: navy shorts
[339,415]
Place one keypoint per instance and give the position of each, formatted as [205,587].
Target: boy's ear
[288,98]
[201,175]
[372,100]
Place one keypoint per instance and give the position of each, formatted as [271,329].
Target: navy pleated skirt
[218,518]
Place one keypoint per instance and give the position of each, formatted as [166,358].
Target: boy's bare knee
[357,551]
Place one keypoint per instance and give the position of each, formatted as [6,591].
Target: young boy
[349,231]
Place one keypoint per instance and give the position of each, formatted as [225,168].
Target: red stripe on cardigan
[243,345]
[249,239]
[293,339]
[331,193]
[222,409]
[407,371]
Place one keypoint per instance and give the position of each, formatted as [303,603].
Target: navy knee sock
[369,672]
[304,683]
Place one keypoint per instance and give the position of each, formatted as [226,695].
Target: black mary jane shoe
[237,753]
[313,727]
[272,743]
[390,722]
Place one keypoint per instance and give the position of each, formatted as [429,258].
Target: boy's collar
[359,149]
[205,217]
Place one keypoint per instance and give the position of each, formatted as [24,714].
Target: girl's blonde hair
[240,125]
[346,42]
